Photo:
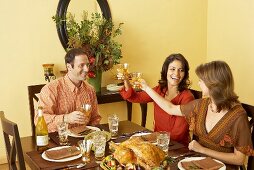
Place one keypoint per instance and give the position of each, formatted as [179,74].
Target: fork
[184,155]
[80,165]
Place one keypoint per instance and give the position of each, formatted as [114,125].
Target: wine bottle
[41,131]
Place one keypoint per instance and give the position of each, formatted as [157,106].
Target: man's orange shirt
[61,97]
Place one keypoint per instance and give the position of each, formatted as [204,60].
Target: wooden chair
[13,149]
[32,91]
[250,112]
[197,94]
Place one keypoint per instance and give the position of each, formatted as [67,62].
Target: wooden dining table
[35,161]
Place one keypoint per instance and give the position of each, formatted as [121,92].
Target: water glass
[113,122]
[163,140]
[99,143]
[85,148]
[62,129]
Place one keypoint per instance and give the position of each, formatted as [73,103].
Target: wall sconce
[48,72]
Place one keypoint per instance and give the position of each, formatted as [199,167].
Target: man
[62,99]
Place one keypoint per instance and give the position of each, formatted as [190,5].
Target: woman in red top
[173,86]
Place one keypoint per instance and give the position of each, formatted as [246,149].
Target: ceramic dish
[81,136]
[44,156]
[197,158]
[91,135]
[114,87]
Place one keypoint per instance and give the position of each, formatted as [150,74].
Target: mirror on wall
[77,7]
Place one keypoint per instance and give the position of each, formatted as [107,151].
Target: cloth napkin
[62,153]
[188,165]
[80,130]
[206,163]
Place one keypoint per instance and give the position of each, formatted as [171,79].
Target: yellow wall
[230,37]
[153,29]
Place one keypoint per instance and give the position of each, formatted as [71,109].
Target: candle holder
[48,72]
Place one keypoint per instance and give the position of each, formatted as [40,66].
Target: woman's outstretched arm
[166,105]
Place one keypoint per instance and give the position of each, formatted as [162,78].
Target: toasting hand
[143,84]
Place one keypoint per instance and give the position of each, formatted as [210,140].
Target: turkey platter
[138,151]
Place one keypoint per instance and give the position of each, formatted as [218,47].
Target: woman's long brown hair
[218,78]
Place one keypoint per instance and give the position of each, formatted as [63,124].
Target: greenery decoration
[96,36]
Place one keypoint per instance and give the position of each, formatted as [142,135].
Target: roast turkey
[138,151]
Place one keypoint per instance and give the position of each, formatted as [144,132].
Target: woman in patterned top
[219,122]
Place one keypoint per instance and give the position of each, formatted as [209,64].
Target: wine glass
[125,68]
[86,109]
[122,71]
[136,79]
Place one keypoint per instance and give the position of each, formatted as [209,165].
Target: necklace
[211,108]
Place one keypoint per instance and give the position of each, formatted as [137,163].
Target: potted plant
[95,35]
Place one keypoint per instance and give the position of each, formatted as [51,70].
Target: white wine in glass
[136,78]
[86,109]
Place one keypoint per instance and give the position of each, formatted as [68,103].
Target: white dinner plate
[141,134]
[81,136]
[44,156]
[114,87]
[105,133]
[197,158]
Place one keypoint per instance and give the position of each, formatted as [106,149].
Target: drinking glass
[122,71]
[99,143]
[113,122]
[62,129]
[135,80]
[125,68]
[163,140]
[86,109]
[85,148]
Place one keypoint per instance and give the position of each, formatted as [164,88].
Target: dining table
[34,159]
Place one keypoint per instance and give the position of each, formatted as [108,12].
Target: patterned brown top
[232,130]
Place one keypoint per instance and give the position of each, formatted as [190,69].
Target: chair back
[32,91]
[197,94]
[250,112]
[14,148]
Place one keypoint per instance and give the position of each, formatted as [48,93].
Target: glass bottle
[41,132]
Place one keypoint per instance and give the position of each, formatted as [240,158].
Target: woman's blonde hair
[218,78]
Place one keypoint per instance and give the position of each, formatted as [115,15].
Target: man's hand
[76,117]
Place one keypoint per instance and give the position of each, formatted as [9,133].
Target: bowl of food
[105,133]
